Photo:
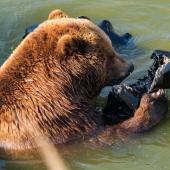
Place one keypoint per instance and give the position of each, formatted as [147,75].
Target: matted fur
[47,82]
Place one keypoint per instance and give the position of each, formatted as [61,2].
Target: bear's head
[75,52]
[85,52]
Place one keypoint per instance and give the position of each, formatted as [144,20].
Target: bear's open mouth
[124,99]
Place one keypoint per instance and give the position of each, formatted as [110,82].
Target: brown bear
[47,82]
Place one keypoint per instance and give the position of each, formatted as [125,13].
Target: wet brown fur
[47,82]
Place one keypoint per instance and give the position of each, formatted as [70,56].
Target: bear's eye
[83,17]
[111,59]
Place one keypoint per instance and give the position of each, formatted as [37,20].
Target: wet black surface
[124,99]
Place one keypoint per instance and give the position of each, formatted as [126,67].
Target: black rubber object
[123,100]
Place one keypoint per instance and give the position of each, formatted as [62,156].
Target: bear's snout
[130,69]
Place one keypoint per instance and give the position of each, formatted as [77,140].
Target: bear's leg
[150,112]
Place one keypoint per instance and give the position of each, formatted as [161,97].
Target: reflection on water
[148,22]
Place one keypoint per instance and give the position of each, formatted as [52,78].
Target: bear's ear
[68,45]
[57,14]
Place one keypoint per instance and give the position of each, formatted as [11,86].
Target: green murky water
[149,22]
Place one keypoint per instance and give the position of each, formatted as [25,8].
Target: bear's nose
[130,67]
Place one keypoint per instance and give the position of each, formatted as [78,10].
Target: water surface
[149,23]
